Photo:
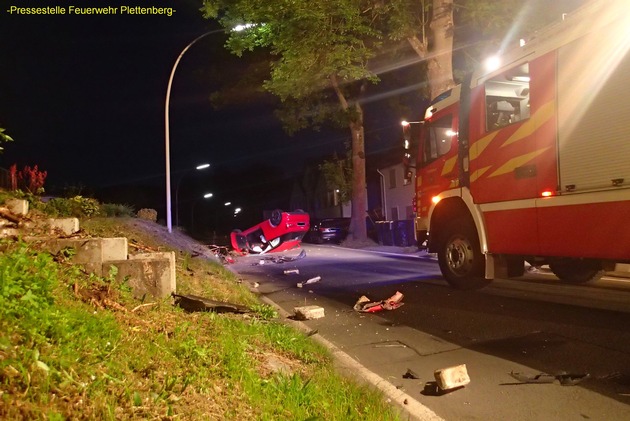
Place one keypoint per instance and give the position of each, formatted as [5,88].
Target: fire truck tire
[276,217]
[460,258]
[576,271]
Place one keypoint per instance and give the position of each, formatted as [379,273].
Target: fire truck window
[438,139]
[507,97]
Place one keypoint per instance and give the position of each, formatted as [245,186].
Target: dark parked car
[329,229]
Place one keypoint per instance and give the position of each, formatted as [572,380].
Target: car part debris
[310,281]
[308,312]
[569,379]
[565,379]
[282,231]
[281,259]
[410,374]
[365,305]
[539,378]
[192,303]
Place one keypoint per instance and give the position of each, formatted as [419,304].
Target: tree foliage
[4,138]
[338,175]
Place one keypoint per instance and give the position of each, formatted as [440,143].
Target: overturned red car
[282,231]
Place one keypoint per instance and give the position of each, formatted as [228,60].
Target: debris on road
[410,374]
[452,377]
[538,378]
[565,379]
[281,259]
[308,312]
[569,379]
[292,272]
[365,305]
[310,281]
[192,303]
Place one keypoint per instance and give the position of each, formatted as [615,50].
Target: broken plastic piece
[313,280]
[568,379]
[364,304]
[539,378]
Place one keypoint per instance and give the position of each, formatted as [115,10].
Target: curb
[407,405]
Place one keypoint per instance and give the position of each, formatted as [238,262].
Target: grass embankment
[76,346]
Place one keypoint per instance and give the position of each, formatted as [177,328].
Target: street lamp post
[167,139]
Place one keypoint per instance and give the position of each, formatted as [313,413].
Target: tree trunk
[358,229]
[440,62]
[438,53]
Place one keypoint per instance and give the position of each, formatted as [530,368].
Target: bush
[116,210]
[150,214]
[77,206]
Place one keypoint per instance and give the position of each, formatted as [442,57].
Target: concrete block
[17,206]
[308,312]
[115,248]
[91,252]
[451,377]
[170,255]
[145,276]
[67,226]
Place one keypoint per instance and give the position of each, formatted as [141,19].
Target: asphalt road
[530,326]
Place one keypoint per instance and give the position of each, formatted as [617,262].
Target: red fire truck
[530,161]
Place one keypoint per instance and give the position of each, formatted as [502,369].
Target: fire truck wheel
[576,271]
[276,217]
[460,258]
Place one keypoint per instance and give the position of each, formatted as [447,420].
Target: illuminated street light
[179,182]
[192,209]
[167,131]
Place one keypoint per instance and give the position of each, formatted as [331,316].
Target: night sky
[83,96]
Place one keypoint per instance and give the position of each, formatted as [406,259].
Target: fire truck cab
[530,161]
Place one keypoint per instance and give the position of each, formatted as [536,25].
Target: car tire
[276,217]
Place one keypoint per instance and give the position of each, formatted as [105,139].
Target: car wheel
[460,257]
[276,217]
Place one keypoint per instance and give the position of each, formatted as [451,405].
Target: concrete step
[146,273]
